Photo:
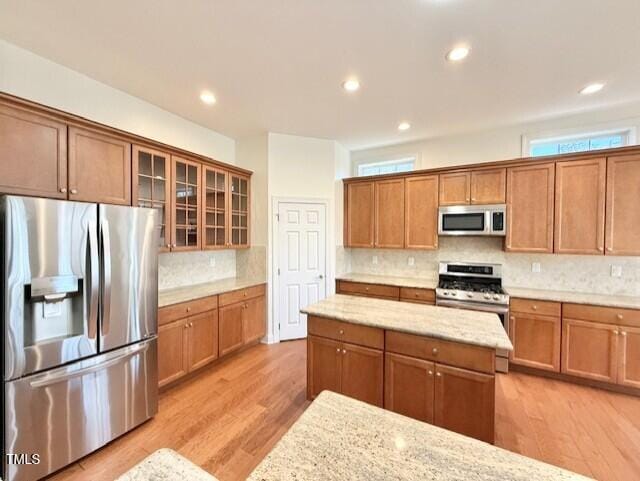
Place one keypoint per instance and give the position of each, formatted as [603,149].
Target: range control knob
[454,294]
[469,294]
[487,296]
[446,293]
[496,297]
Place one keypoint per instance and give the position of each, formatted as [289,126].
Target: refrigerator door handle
[53,378]
[94,280]
[106,276]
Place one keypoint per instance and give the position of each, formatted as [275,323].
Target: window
[579,142]
[387,167]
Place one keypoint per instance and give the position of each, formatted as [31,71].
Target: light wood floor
[231,415]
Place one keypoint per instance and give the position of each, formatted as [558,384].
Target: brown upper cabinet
[185,201]
[33,149]
[215,208]
[421,212]
[530,198]
[580,206]
[151,186]
[622,235]
[455,188]
[359,215]
[482,186]
[239,191]
[488,186]
[99,167]
[389,213]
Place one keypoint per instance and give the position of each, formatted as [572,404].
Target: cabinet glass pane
[220,237]
[192,196]
[159,163]
[158,189]
[243,221]
[220,219]
[181,193]
[243,204]
[210,181]
[181,217]
[192,236]
[144,163]
[144,188]
[243,187]
[220,182]
[192,215]
[193,174]
[181,172]
[210,201]
[235,237]
[235,202]
[243,236]
[235,187]
[181,237]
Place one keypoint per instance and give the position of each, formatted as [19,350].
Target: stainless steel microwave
[485,220]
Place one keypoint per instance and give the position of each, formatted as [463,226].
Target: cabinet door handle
[624,333]
[168,246]
[344,351]
[620,316]
[188,309]
[191,324]
[186,325]
[430,373]
[609,249]
[74,191]
[439,374]
[63,190]
[511,318]
[338,350]
[616,332]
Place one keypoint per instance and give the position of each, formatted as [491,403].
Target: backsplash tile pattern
[177,269]
[252,262]
[577,273]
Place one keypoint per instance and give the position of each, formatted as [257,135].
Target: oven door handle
[473,306]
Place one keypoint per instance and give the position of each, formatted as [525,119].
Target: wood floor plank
[229,416]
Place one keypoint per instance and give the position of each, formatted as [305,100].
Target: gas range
[471,282]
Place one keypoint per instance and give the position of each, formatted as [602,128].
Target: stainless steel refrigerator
[79,307]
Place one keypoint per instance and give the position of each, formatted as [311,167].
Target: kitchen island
[434,364]
[339,438]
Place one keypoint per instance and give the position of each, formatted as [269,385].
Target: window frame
[529,141]
[385,162]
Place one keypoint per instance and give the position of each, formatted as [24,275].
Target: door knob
[321,276]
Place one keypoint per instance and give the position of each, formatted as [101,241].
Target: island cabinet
[187,338]
[407,294]
[242,318]
[345,358]
[601,344]
[441,382]
[534,330]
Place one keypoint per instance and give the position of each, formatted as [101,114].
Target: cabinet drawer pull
[188,309]
[534,307]
[366,288]
[620,316]
[435,350]
[341,331]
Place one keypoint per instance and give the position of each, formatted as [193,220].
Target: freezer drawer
[68,412]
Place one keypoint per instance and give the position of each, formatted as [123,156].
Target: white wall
[497,144]
[35,78]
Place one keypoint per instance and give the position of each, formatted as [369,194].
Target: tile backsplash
[177,269]
[578,273]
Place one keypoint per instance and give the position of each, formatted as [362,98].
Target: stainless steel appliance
[79,307]
[477,287]
[485,220]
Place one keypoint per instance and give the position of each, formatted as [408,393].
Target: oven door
[463,220]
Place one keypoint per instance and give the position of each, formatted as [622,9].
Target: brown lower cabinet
[536,340]
[186,345]
[241,323]
[590,350]
[195,333]
[349,369]
[456,399]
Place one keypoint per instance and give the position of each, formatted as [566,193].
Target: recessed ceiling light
[404,126]
[208,98]
[351,85]
[592,88]
[457,54]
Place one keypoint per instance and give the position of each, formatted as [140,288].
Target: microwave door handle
[488,227]
[93,268]
[106,276]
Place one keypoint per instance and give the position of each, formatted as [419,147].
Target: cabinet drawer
[427,296]
[446,352]
[345,331]
[179,311]
[373,290]
[533,306]
[606,315]
[241,295]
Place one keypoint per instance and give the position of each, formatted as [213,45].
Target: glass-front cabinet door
[152,186]
[239,230]
[186,211]
[215,219]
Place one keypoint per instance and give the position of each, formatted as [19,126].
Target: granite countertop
[629,302]
[165,464]
[166,297]
[416,282]
[458,325]
[340,438]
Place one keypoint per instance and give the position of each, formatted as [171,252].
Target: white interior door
[302,262]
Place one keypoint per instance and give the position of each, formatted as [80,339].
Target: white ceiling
[277,65]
